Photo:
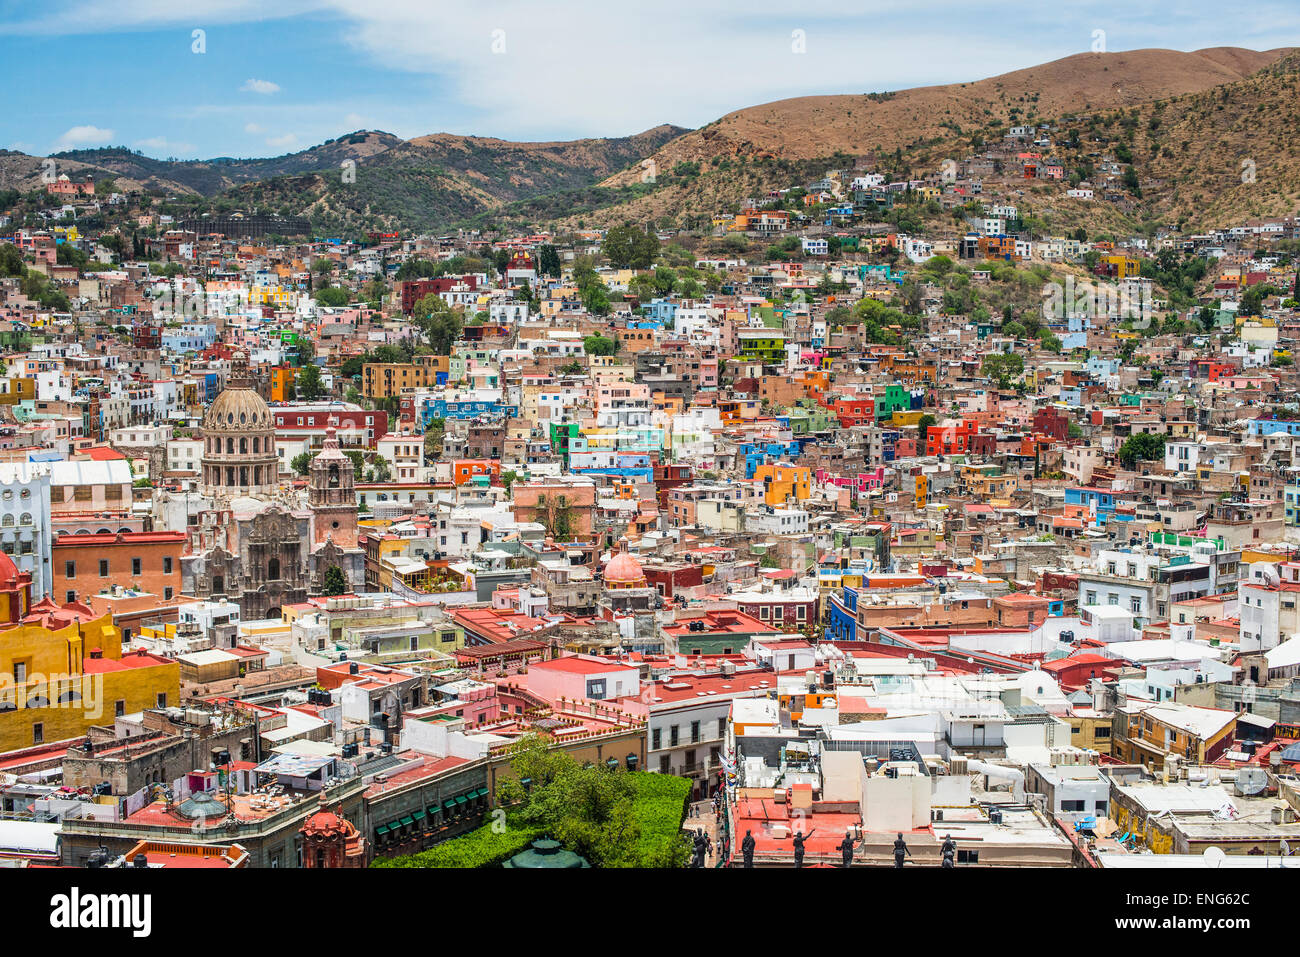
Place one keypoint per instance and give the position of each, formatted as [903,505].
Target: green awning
[381,830]
[461,799]
[407,821]
[449,804]
[394,825]
[435,809]
[418,815]
[481,793]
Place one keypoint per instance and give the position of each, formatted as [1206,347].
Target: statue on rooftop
[949,851]
[900,850]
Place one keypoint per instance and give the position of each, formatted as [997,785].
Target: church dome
[238,407]
[239,457]
[623,570]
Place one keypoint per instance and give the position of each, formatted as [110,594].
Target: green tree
[332,296]
[433,434]
[336,583]
[1002,367]
[308,383]
[301,463]
[629,247]
[548,261]
[596,300]
[1143,446]
[440,325]
[598,345]
[358,461]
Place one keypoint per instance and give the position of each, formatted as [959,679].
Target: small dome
[328,823]
[239,407]
[624,570]
[8,571]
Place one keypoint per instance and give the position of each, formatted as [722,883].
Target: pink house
[583,677]
[863,481]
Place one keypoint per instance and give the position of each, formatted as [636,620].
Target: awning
[435,809]
[461,799]
[394,825]
[481,793]
[449,804]
[407,821]
[418,815]
[381,830]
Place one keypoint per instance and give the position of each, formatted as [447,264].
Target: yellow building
[277,296]
[64,670]
[16,390]
[1090,731]
[383,380]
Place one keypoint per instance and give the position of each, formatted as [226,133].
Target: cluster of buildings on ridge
[282,585]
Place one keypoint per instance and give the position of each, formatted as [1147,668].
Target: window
[135,566]
[695,732]
[722,727]
[167,593]
[119,707]
[672,736]
[656,738]
[103,568]
[968,857]
[69,569]
[38,733]
[1072,805]
[162,700]
[69,597]
[167,565]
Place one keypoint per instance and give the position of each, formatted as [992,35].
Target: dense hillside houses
[949,501]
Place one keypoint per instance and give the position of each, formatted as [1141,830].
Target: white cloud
[264,87]
[82,136]
[355,120]
[254,128]
[585,67]
[285,142]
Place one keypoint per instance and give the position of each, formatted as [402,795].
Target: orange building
[464,471]
[784,482]
[282,380]
[146,561]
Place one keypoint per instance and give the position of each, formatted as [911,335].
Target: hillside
[1217,157]
[433,181]
[195,177]
[909,133]
[818,126]
[425,183]
[1181,123]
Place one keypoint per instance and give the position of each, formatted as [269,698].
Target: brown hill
[818,126]
[1217,157]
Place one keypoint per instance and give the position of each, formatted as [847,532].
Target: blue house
[1093,499]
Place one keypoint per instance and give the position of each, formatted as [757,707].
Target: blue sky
[276,77]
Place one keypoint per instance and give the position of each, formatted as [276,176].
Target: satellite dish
[1213,857]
